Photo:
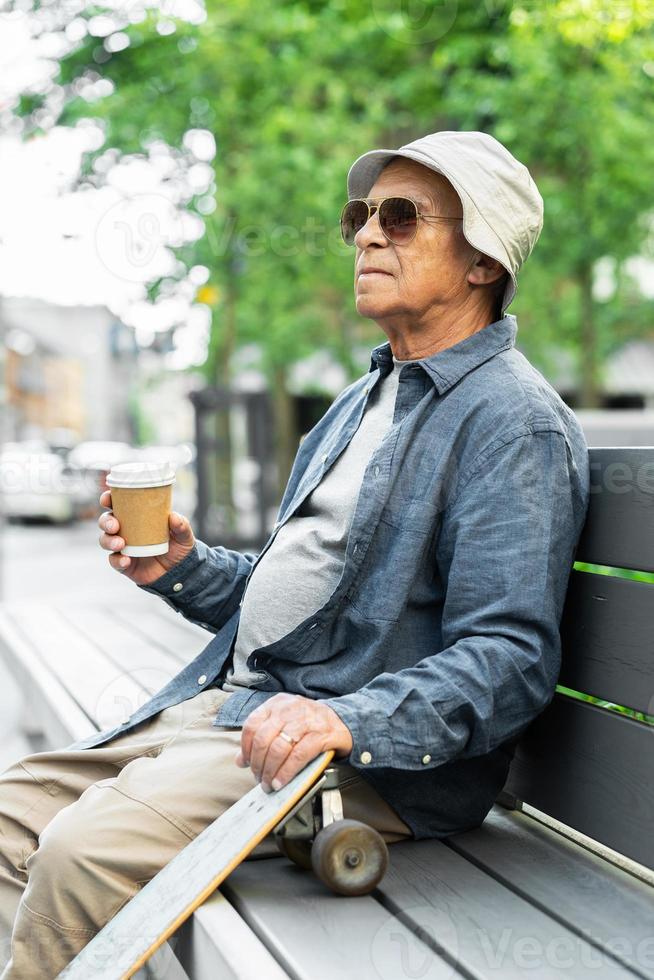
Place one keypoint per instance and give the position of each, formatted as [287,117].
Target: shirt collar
[450,365]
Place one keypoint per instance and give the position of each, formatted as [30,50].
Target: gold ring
[288,738]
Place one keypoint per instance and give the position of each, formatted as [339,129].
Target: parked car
[37,485]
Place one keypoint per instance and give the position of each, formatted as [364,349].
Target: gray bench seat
[558,880]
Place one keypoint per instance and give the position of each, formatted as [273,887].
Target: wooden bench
[558,880]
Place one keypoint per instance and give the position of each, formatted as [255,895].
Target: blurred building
[617,426]
[66,370]
[626,417]
[44,391]
[164,401]
[628,376]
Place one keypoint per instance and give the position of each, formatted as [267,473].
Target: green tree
[570,91]
[295,91]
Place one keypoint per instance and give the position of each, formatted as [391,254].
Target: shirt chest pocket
[411,514]
[399,566]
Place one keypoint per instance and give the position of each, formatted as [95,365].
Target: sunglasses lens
[398,217]
[353,218]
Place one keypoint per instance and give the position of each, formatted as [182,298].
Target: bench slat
[608,639]
[593,897]
[149,665]
[103,691]
[216,942]
[592,769]
[317,935]
[52,710]
[164,628]
[619,529]
[162,965]
[486,927]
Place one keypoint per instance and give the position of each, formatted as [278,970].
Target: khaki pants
[81,831]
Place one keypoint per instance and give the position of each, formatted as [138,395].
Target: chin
[373,307]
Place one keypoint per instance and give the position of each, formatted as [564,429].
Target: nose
[370,233]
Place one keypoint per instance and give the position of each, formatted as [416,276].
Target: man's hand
[273,760]
[144,571]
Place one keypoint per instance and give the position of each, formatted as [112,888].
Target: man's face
[427,274]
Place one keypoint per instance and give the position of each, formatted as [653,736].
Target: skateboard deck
[171,897]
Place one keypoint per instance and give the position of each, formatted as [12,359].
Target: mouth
[372,271]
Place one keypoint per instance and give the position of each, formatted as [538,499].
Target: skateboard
[348,856]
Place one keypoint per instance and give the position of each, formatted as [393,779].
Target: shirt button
[426,759]
[202,679]
[377,471]
[177,587]
[365,758]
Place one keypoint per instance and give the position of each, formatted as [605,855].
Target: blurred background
[172,280]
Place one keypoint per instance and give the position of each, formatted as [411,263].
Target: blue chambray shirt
[440,643]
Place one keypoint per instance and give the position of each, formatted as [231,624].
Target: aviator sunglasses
[398,218]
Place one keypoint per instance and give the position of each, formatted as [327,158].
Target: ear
[484,270]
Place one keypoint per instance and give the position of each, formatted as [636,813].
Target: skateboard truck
[347,855]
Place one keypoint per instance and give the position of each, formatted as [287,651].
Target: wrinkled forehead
[408,178]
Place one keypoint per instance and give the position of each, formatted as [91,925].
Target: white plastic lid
[146,473]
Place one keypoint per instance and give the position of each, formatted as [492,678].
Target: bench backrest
[589,766]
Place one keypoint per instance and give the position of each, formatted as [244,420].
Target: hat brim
[366,169]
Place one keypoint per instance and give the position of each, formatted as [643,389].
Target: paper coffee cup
[141,500]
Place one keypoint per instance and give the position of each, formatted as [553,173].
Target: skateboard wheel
[297,851]
[349,857]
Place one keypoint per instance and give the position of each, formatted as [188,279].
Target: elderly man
[405,609]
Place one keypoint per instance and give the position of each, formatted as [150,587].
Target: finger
[107,522]
[277,756]
[248,731]
[180,528]
[120,562]
[262,744]
[105,498]
[300,755]
[110,543]
[272,706]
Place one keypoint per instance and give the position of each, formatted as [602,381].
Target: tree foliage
[294,91]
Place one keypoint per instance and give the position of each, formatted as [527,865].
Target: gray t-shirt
[303,565]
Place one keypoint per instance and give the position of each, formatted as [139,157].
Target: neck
[418,338]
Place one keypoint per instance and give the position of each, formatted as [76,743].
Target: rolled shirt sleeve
[505,552]
[205,587]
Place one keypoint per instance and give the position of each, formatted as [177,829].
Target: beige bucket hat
[502,207]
